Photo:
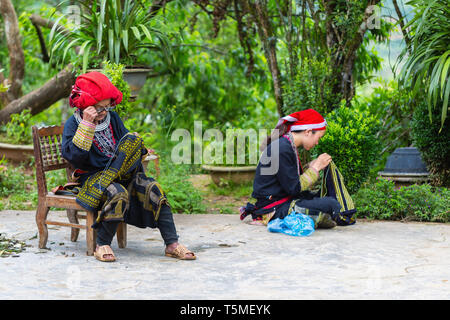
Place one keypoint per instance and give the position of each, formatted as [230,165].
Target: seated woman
[281,184]
[108,166]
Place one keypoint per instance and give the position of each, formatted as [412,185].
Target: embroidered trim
[84,135]
[290,138]
[105,142]
[100,127]
[308,178]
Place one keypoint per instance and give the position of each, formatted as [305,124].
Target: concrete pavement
[369,260]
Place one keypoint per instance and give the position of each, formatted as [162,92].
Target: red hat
[92,87]
[304,120]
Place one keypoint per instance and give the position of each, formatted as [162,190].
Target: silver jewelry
[99,127]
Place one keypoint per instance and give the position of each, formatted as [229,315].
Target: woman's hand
[89,114]
[321,162]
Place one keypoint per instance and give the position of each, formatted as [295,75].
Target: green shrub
[182,195]
[18,189]
[394,108]
[18,129]
[352,143]
[312,86]
[432,144]
[12,179]
[238,148]
[229,188]
[383,200]
[115,73]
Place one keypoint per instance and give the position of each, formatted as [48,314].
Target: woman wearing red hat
[280,180]
[108,166]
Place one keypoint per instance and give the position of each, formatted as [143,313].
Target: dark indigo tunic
[268,189]
[93,160]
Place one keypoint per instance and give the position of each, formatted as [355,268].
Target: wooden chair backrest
[47,143]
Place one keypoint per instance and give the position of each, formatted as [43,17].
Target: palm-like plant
[428,65]
[113,30]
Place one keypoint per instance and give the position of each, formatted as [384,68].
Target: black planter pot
[136,79]
[405,166]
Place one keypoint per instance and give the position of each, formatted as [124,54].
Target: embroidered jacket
[288,182]
[78,147]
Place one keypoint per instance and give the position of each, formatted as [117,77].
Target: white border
[309,126]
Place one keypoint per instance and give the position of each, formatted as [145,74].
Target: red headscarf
[304,120]
[92,87]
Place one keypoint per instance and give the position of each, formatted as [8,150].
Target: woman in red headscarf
[281,182]
[107,161]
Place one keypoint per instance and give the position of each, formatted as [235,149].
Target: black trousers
[325,204]
[165,224]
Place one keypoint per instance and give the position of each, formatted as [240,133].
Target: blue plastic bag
[295,224]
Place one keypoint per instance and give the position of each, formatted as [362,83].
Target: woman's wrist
[84,135]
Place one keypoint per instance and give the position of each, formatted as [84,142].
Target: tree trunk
[343,51]
[259,12]
[40,99]
[16,56]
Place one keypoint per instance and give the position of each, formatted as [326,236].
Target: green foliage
[18,130]
[383,200]
[210,83]
[351,141]
[238,146]
[433,143]
[56,178]
[427,65]
[3,87]
[36,72]
[55,115]
[394,108]
[112,30]
[311,88]
[315,41]
[115,74]
[182,196]
[227,188]
[17,190]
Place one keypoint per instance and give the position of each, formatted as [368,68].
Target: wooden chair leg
[41,216]
[122,235]
[73,218]
[91,234]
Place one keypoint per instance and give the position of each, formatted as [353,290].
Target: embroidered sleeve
[308,178]
[84,135]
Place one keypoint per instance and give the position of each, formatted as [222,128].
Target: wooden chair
[48,156]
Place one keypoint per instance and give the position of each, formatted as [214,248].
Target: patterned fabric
[115,204]
[123,192]
[103,136]
[128,159]
[146,198]
[84,136]
[105,142]
[333,186]
[308,178]
[102,125]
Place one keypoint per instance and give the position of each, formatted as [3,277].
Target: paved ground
[370,260]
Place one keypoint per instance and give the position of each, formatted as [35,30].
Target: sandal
[102,251]
[180,253]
